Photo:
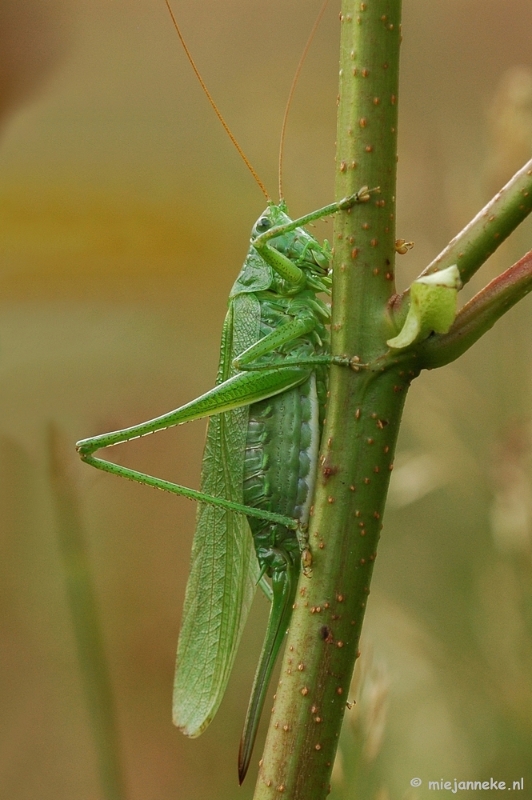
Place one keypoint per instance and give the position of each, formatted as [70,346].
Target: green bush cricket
[260,460]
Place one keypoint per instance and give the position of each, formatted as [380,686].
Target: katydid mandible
[259,464]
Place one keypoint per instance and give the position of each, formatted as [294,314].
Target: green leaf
[432,307]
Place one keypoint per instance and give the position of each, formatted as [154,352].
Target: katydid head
[283,257]
[274,216]
[293,257]
[276,227]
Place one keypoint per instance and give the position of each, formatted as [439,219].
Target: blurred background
[125,215]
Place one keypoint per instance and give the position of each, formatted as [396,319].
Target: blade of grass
[85,618]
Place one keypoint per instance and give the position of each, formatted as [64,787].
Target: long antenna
[215,108]
[291,93]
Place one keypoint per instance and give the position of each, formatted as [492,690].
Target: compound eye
[263,224]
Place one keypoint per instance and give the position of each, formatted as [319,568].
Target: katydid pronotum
[260,460]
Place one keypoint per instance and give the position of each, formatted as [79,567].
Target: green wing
[224,570]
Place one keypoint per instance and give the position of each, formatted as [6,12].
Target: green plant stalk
[363,418]
[86,621]
[489,228]
[481,237]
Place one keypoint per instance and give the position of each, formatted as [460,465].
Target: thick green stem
[362,422]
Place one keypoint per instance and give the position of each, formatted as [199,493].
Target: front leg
[287,269]
[279,337]
[249,360]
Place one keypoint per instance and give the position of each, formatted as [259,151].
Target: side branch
[491,226]
[481,237]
